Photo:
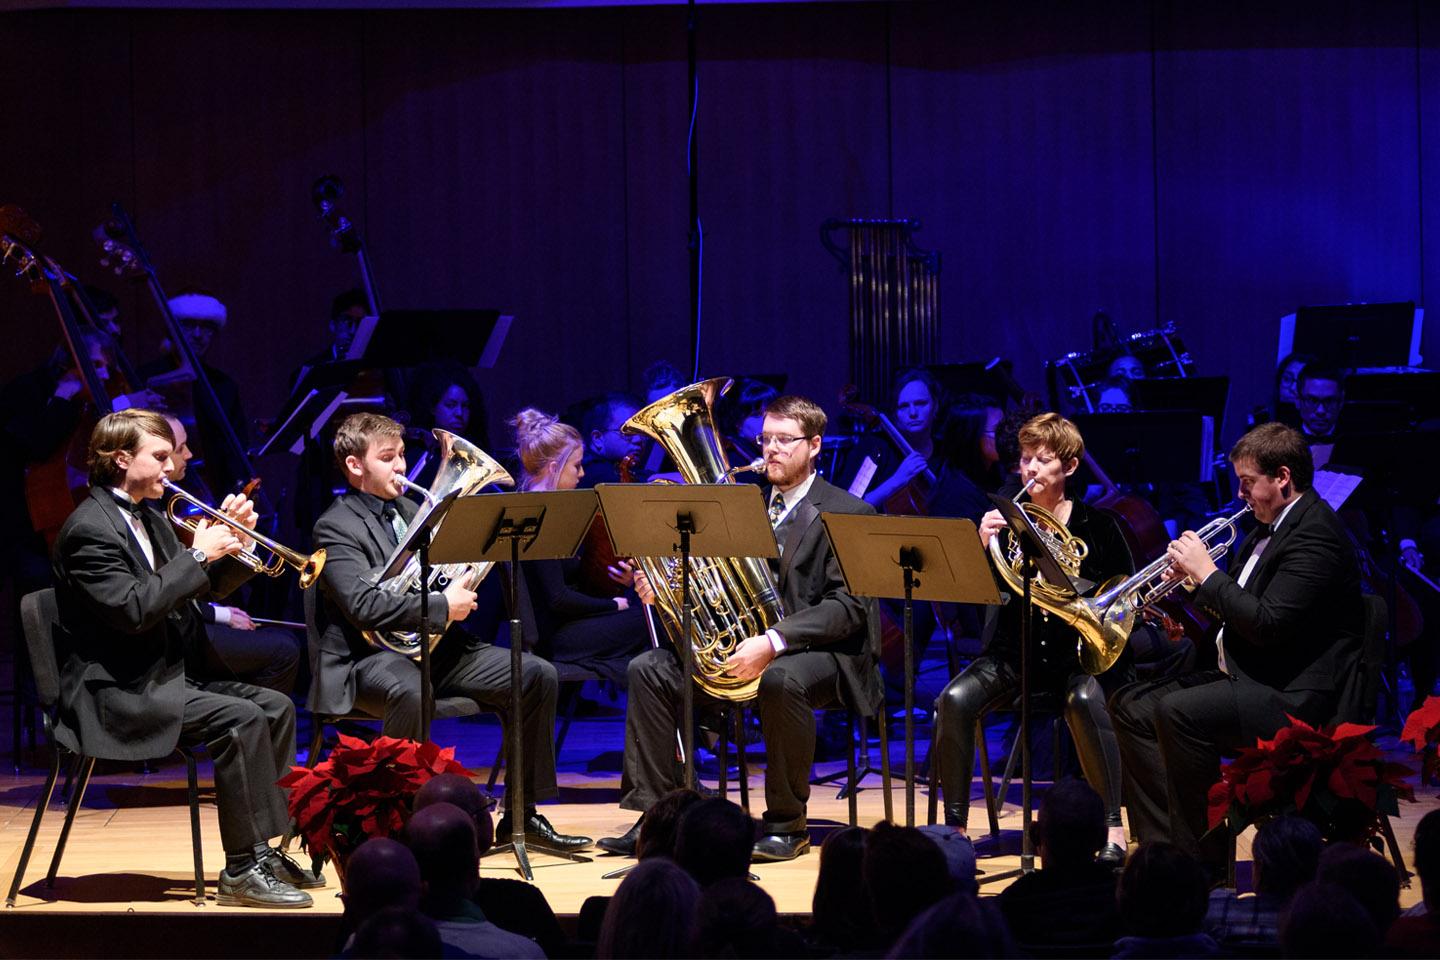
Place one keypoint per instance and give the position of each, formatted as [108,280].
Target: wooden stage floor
[129,856]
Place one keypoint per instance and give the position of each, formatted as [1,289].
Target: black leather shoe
[539,831]
[623,845]
[286,869]
[777,847]
[257,886]
[1112,855]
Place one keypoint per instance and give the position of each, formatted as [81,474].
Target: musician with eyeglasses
[821,653]
[126,591]
[1050,451]
[1290,628]
[360,531]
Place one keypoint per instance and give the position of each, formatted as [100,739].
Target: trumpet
[281,556]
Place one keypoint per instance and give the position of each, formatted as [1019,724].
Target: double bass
[55,484]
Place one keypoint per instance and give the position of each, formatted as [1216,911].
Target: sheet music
[1334,487]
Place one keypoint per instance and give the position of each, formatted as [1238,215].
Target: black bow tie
[132,507]
[1263,530]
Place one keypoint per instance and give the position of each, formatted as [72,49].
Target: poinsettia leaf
[1346,730]
[1423,724]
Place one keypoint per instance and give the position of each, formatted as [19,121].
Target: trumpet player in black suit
[1291,624]
[126,590]
[360,531]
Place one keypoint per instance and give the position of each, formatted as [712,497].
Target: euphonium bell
[463,467]
[308,567]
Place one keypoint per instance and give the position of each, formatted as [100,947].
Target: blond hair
[541,441]
[1050,431]
[121,432]
[357,431]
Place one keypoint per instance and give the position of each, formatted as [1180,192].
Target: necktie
[397,523]
[777,510]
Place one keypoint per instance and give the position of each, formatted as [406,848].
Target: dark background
[1215,165]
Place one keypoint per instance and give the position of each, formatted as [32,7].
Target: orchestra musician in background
[202,317]
[238,649]
[572,626]
[445,396]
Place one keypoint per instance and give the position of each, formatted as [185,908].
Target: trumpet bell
[311,568]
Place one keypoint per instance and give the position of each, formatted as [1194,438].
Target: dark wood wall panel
[235,114]
[1211,165]
[1288,170]
[66,116]
[1023,141]
[1428,130]
[496,178]
[792,114]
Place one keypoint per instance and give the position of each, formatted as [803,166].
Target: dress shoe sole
[239,900]
[759,857]
[619,849]
[315,884]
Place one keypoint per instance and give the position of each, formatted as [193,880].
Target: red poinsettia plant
[362,790]
[1422,731]
[1335,777]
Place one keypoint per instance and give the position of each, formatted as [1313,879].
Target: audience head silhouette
[651,915]
[714,840]
[662,820]
[460,791]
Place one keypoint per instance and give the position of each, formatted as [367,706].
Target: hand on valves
[1189,559]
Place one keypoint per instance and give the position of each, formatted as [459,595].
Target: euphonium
[308,566]
[463,467]
[731,598]
[1103,621]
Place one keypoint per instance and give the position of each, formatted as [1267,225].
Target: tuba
[731,598]
[1105,620]
[463,467]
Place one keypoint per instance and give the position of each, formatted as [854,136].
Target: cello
[914,498]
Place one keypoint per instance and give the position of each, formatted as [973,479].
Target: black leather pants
[989,683]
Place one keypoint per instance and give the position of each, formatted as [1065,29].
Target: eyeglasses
[1321,403]
[779,439]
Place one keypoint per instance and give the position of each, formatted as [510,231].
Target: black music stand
[1037,556]
[879,556]
[688,520]
[418,541]
[501,527]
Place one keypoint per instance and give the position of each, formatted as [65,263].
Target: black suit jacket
[125,631]
[1298,623]
[358,545]
[821,614]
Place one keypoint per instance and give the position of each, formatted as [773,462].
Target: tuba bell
[1103,621]
[463,467]
[731,598]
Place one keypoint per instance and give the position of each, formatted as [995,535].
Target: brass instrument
[463,467]
[731,598]
[308,567]
[1105,620]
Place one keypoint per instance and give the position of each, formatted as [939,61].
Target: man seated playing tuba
[821,653]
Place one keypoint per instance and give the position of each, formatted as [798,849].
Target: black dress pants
[1173,734]
[990,682]
[267,656]
[387,685]
[792,688]
[249,732]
